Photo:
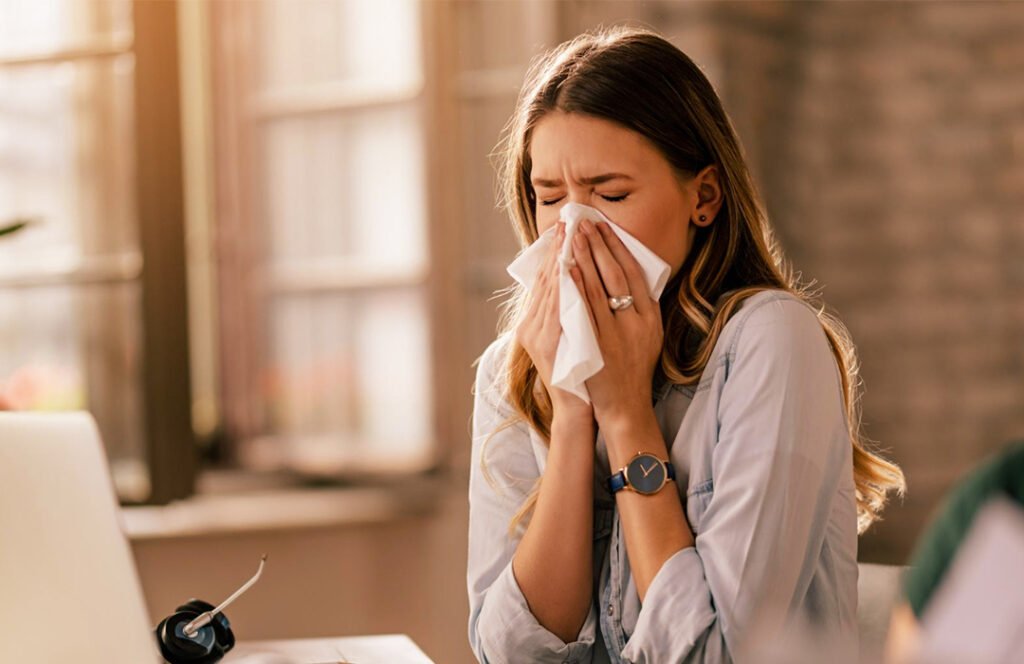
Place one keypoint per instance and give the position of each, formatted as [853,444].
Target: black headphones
[211,636]
[208,644]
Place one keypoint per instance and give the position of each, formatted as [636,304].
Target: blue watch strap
[617,482]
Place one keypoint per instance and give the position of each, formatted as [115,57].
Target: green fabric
[1002,475]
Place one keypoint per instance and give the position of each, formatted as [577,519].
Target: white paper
[578,356]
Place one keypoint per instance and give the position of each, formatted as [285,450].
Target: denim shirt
[764,470]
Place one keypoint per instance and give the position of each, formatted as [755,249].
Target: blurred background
[258,241]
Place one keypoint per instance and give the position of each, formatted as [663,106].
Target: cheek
[664,233]
[545,218]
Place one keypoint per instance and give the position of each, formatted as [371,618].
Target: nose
[581,193]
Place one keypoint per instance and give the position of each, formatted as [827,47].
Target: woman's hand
[540,328]
[630,339]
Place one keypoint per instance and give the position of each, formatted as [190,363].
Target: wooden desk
[384,649]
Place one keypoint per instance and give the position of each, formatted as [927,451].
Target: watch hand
[647,471]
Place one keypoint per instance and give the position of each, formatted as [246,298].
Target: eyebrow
[596,179]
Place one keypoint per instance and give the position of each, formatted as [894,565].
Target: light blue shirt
[764,468]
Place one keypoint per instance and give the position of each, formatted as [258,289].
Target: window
[322,216]
[76,295]
[342,241]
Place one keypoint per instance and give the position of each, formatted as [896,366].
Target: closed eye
[610,199]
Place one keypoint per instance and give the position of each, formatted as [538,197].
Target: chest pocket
[697,499]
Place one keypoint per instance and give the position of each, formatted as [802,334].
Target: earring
[703,217]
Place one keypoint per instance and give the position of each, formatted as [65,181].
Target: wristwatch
[645,473]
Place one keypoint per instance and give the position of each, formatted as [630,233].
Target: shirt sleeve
[775,473]
[501,626]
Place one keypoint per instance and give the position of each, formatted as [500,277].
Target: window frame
[159,264]
[241,263]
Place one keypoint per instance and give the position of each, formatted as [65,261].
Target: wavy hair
[637,79]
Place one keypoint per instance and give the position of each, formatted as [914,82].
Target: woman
[733,378]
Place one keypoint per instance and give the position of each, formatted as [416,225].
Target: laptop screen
[70,587]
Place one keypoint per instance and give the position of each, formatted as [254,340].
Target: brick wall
[888,142]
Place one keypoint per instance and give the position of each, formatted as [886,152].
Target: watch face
[645,473]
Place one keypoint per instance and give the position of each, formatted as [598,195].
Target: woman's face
[596,162]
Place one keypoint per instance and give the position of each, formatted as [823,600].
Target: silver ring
[620,302]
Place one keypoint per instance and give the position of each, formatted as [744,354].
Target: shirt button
[611,610]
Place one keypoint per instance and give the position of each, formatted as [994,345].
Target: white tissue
[578,356]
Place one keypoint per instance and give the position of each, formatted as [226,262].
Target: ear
[707,196]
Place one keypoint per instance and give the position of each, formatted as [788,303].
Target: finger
[546,314]
[528,322]
[593,288]
[551,281]
[611,272]
[552,319]
[544,270]
[540,284]
[636,282]
[577,278]
[556,245]
[532,322]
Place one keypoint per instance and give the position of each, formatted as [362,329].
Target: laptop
[69,588]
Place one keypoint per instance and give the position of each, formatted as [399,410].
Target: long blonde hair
[639,80]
